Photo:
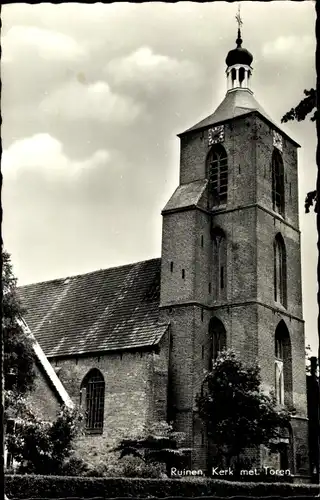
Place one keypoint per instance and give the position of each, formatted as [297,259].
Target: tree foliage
[37,446]
[303,109]
[43,447]
[236,413]
[299,113]
[19,357]
[158,444]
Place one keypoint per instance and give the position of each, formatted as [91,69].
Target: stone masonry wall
[129,395]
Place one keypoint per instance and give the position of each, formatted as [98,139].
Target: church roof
[186,195]
[106,310]
[236,103]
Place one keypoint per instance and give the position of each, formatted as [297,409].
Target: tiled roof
[186,195]
[111,309]
[236,103]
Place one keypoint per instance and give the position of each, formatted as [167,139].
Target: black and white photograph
[160,331]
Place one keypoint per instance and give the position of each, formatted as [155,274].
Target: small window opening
[222,277]
[209,287]
[202,240]
[171,266]
[183,274]
[202,438]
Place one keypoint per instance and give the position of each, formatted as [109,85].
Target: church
[132,344]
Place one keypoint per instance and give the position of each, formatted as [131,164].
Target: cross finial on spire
[239,21]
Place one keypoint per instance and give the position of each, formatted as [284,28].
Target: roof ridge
[63,278]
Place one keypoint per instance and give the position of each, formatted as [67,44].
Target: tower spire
[238,63]
[240,23]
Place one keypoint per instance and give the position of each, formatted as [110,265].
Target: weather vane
[239,21]
[238,18]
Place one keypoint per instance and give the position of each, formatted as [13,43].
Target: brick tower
[231,270]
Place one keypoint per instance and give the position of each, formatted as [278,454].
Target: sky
[94,96]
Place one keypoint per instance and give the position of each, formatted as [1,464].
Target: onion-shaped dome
[239,55]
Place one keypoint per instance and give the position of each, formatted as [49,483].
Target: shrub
[158,446]
[31,486]
[44,447]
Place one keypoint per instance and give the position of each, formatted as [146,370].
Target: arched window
[217,171]
[92,398]
[278,182]
[283,365]
[241,75]
[280,271]
[279,376]
[218,340]
[219,264]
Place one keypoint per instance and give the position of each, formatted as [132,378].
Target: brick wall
[43,399]
[135,394]
[247,310]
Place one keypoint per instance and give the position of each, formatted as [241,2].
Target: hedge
[56,487]
[182,498]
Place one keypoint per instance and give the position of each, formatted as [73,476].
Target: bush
[31,486]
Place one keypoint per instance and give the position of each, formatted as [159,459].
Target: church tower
[231,268]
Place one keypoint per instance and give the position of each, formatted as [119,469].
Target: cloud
[44,154]
[23,41]
[289,45]
[153,71]
[96,101]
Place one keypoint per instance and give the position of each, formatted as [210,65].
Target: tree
[38,446]
[44,447]
[158,444]
[237,415]
[19,358]
[299,113]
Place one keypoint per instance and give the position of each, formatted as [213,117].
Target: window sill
[93,431]
[280,306]
[278,214]
[219,208]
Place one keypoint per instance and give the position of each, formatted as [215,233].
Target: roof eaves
[147,345]
[270,122]
[220,122]
[237,117]
[179,209]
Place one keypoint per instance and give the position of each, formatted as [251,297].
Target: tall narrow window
[92,392]
[217,171]
[280,271]
[222,277]
[219,264]
[283,365]
[279,376]
[218,339]
[278,200]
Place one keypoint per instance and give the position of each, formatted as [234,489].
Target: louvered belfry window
[93,388]
[217,165]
